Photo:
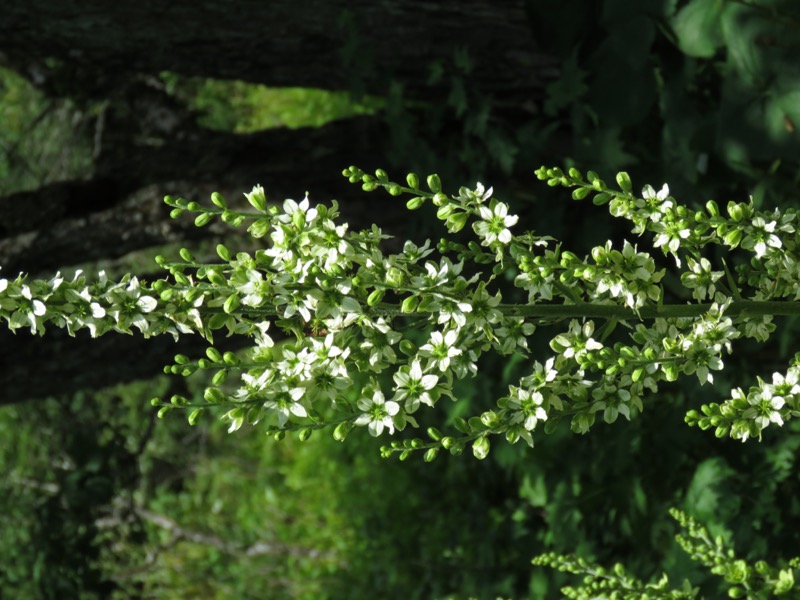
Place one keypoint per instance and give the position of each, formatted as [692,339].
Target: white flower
[670,234]
[256,290]
[514,334]
[286,404]
[441,348]
[577,342]
[527,405]
[379,341]
[701,278]
[542,374]
[764,407]
[494,224]
[377,413]
[761,237]
[298,214]
[129,306]
[85,312]
[413,386]
[257,198]
[654,205]
[788,385]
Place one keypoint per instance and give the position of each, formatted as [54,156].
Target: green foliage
[40,139]
[704,103]
[617,286]
[245,107]
[696,93]
[756,582]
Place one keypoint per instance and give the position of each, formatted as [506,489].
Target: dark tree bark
[33,367]
[121,209]
[148,145]
[322,44]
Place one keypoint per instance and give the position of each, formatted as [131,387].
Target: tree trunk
[33,367]
[147,145]
[319,44]
[121,208]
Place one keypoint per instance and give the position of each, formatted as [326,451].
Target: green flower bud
[213,395]
[220,377]
[408,348]
[736,211]
[456,222]
[410,304]
[231,304]
[624,182]
[480,447]
[431,454]
[223,252]
[194,415]
[580,193]
[733,238]
[415,203]
[218,200]
[434,434]
[257,198]
[218,321]
[202,219]
[341,431]
[413,181]
[460,423]
[489,419]
[394,276]
[434,183]
[375,297]
[439,199]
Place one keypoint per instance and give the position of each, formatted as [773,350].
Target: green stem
[750,308]
[608,311]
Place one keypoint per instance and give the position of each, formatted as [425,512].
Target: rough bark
[121,209]
[146,145]
[322,44]
[33,367]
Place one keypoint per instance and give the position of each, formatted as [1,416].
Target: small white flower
[441,348]
[494,224]
[255,290]
[377,413]
[286,404]
[764,407]
[414,387]
[527,405]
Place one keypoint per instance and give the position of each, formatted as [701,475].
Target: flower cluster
[328,311]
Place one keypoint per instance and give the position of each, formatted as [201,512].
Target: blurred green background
[99,500]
